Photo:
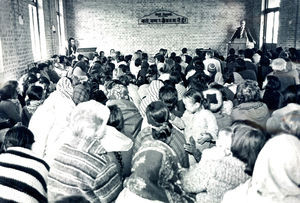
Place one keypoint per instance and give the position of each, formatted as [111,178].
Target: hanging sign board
[163,17]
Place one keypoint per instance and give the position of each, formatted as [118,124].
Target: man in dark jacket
[242,32]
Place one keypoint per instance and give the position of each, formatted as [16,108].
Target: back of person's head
[175,77]
[241,53]
[160,58]
[8,92]
[291,123]
[42,66]
[184,50]
[88,119]
[248,91]
[240,65]
[144,56]
[172,55]
[197,81]
[168,66]
[19,136]
[231,51]
[31,78]
[99,96]
[248,53]
[116,118]
[177,59]
[188,59]
[198,64]
[35,92]
[264,61]
[169,96]
[80,57]
[292,94]
[273,83]
[138,62]
[210,54]
[124,80]
[197,97]
[246,144]
[44,80]
[278,64]
[215,99]
[128,58]
[158,117]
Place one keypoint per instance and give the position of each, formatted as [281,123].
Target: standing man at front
[242,32]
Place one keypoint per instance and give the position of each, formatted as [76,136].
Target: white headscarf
[277,170]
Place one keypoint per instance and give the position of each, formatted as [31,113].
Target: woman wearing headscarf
[249,105]
[86,163]
[51,118]
[287,77]
[117,94]
[155,167]
[276,176]
[151,96]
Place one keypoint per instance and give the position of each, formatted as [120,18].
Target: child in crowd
[34,98]
[200,123]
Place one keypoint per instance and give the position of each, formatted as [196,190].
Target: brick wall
[16,38]
[114,24]
[287,36]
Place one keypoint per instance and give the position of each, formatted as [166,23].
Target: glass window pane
[276,26]
[269,33]
[273,3]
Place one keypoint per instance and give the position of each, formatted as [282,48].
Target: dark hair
[33,70]
[197,97]
[188,59]
[42,66]
[231,51]
[35,92]
[124,68]
[273,83]
[7,92]
[177,59]
[31,78]
[144,56]
[210,53]
[116,117]
[128,58]
[44,80]
[175,77]
[19,136]
[246,144]
[158,116]
[71,199]
[79,57]
[124,80]
[184,50]
[160,58]
[292,94]
[249,53]
[99,96]
[169,96]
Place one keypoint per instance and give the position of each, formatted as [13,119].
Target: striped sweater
[23,176]
[86,170]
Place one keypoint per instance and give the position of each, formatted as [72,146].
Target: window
[270,22]
[60,25]
[37,30]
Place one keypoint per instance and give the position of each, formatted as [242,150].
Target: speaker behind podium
[241,43]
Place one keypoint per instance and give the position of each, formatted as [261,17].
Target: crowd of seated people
[189,127]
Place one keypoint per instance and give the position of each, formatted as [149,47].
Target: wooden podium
[239,44]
